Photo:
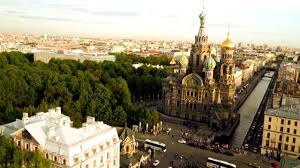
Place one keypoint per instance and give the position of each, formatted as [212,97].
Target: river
[248,110]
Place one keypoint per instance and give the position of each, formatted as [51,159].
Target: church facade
[202,87]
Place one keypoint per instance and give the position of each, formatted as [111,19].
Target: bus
[214,163]
[154,145]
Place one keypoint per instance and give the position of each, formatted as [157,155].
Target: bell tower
[200,49]
[227,81]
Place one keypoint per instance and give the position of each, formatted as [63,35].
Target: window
[55,158]
[282,121]
[107,155]
[192,93]
[287,139]
[177,103]
[101,159]
[295,123]
[188,93]
[286,147]
[187,105]
[115,162]
[127,149]
[19,143]
[87,166]
[268,135]
[191,106]
[36,148]
[295,131]
[281,129]
[294,140]
[288,130]
[267,143]
[76,159]
[64,162]
[280,137]
[195,106]
[27,146]
[279,146]
[269,126]
[293,148]
[270,119]
[47,155]
[178,91]
[289,122]
[196,94]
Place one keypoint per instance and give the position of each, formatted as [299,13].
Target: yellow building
[281,133]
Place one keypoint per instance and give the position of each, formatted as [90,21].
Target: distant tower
[227,82]
[200,49]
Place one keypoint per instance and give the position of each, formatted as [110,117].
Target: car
[255,150]
[156,163]
[169,130]
[182,141]
[246,146]
[254,165]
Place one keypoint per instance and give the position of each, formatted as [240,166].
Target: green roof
[127,132]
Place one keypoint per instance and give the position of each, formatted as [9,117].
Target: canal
[248,110]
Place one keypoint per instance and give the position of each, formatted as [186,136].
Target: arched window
[224,70]
[230,70]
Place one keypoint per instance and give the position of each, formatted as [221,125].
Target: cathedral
[202,87]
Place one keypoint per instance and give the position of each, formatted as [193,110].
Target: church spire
[202,22]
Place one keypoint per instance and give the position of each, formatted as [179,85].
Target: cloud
[105,13]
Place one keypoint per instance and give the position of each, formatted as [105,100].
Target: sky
[274,22]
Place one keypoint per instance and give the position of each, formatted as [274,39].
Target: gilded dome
[228,44]
[172,62]
[183,61]
[209,63]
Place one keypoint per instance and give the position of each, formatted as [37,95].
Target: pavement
[182,155]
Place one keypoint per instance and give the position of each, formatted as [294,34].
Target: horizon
[249,22]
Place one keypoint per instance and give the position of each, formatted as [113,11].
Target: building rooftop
[285,112]
[52,128]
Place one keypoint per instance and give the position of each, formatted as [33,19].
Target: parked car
[246,146]
[182,141]
[255,150]
[254,165]
[156,163]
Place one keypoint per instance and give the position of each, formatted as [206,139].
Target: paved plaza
[183,155]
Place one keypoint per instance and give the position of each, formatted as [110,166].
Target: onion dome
[209,63]
[183,61]
[213,50]
[228,44]
[172,62]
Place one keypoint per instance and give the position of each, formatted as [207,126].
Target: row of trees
[103,90]
[13,157]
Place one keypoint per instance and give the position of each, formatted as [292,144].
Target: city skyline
[252,22]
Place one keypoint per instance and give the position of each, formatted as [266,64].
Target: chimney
[90,120]
[58,110]
[25,118]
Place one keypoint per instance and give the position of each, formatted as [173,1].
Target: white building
[94,145]
[238,76]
